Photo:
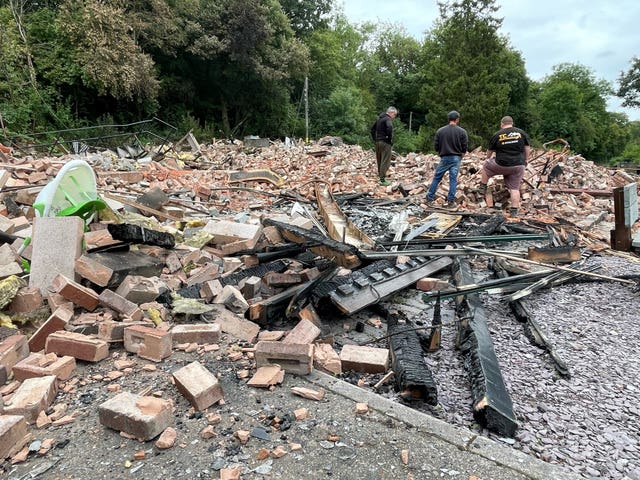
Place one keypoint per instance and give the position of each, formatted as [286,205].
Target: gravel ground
[588,422]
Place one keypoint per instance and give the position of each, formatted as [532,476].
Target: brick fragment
[326,359]
[142,417]
[267,376]
[235,325]
[196,333]
[251,287]
[364,359]
[149,343]
[77,345]
[308,393]
[198,385]
[210,289]
[303,332]
[231,297]
[112,331]
[57,321]
[118,303]
[14,434]
[76,293]
[293,358]
[230,473]
[139,289]
[42,365]
[427,284]
[90,269]
[28,299]
[32,397]
[13,349]
[167,439]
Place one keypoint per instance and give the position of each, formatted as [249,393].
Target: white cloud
[600,34]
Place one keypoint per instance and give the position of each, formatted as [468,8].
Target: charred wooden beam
[342,254]
[492,404]
[554,254]
[369,290]
[277,266]
[413,378]
[339,226]
[136,234]
[468,239]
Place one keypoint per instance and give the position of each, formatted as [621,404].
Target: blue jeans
[451,164]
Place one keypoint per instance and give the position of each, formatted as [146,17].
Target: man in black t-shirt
[511,148]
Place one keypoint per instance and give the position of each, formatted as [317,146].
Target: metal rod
[565,269]
[480,238]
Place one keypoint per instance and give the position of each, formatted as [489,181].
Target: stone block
[32,397]
[196,333]
[150,343]
[57,244]
[198,385]
[140,416]
[77,345]
[364,359]
[57,321]
[293,358]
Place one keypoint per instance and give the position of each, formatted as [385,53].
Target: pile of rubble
[201,254]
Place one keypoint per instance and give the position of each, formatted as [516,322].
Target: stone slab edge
[463,439]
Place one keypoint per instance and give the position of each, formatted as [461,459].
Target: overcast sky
[600,34]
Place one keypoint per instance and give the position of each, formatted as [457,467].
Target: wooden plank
[141,207]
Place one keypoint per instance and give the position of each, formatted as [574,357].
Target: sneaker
[384,182]
[513,212]
[429,202]
[451,204]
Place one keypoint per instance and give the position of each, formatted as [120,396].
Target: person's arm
[490,154]
[527,152]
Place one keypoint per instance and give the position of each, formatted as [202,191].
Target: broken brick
[140,416]
[118,303]
[267,376]
[150,343]
[198,385]
[326,359]
[32,397]
[13,349]
[196,333]
[42,365]
[77,345]
[303,332]
[14,434]
[364,359]
[76,293]
[57,321]
[293,358]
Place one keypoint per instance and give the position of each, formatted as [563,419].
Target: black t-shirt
[509,144]
[451,140]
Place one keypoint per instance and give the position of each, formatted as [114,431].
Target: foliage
[629,89]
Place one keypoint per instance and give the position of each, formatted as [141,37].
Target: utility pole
[306,109]
[410,118]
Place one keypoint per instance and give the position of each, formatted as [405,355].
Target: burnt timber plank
[492,404]
[413,378]
[342,254]
[365,291]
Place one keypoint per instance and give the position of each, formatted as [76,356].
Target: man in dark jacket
[451,142]
[511,148]
[382,134]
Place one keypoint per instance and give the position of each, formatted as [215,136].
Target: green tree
[629,89]
[468,66]
[572,105]
[307,16]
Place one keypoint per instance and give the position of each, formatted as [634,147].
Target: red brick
[124,307]
[210,289]
[76,293]
[32,397]
[293,358]
[139,289]
[364,359]
[77,345]
[150,343]
[196,333]
[57,243]
[41,365]
[13,349]
[57,321]
[303,332]
[113,331]
[55,301]
[140,416]
[427,284]
[326,359]
[198,385]
[234,324]
[232,299]
[26,300]
[14,434]
[93,271]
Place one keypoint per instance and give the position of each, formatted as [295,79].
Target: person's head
[506,121]
[392,112]
[453,116]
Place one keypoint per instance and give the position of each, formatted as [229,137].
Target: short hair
[507,120]
[452,115]
[392,110]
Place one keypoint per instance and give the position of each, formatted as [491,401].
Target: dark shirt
[509,144]
[382,129]
[451,140]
